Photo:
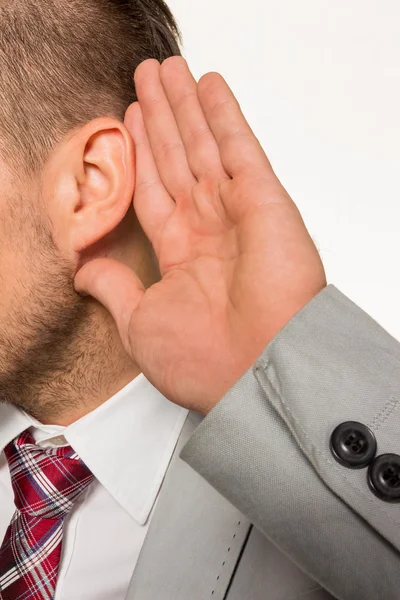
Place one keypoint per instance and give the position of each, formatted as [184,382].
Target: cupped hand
[236,259]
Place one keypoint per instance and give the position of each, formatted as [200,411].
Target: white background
[319,81]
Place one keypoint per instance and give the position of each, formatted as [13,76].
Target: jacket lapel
[195,538]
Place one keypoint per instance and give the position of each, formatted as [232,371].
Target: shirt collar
[12,423]
[127,442]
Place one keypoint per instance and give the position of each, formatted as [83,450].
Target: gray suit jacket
[254,507]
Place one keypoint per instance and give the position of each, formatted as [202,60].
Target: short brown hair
[66,62]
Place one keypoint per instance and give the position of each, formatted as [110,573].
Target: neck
[66,358]
[101,369]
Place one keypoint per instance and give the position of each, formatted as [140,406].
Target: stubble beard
[44,364]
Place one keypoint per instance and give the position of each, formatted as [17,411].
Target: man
[87,438]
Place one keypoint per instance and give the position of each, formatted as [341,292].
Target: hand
[236,260]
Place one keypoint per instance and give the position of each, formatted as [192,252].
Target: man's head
[66,176]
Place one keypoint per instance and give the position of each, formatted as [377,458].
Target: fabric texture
[266,447]
[46,485]
[199,546]
[195,538]
[127,444]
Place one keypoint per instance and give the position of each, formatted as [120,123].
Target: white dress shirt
[127,443]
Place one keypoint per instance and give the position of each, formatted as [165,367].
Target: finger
[153,205]
[239,148]
[201,147]
[116,287]
[165,140]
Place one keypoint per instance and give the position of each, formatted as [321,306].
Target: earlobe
[104,182]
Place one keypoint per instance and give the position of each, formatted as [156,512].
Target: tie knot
[46,482]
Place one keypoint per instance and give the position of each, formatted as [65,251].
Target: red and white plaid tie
[47,483]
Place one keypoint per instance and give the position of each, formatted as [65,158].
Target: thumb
[115,286]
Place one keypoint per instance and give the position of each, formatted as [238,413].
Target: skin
[236,260]
[60,354]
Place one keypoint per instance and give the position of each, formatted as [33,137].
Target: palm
[235,257]
[212,303]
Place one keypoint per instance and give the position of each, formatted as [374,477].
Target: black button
[353,445]
[384,477]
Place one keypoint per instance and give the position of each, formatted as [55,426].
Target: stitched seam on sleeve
[329,462]
[389,408]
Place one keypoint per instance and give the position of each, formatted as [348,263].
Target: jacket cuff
[266,446]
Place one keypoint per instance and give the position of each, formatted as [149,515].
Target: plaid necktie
[47,483]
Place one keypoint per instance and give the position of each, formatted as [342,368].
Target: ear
[92,179]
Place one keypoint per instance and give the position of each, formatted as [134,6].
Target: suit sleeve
[266,447]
